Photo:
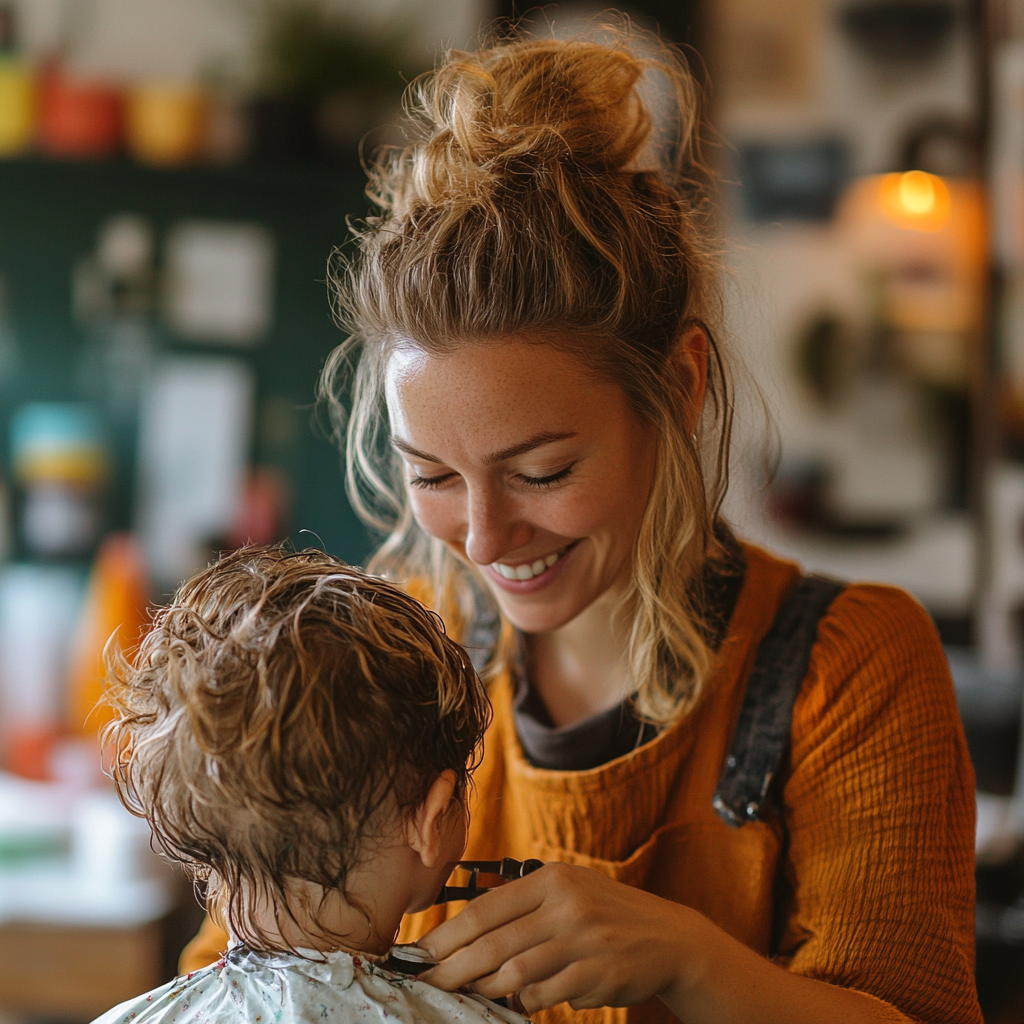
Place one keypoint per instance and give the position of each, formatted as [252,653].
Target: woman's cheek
[437,515]
[580,512]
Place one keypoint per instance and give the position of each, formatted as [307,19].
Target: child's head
[287,721]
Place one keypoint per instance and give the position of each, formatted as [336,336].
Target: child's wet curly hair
[283,708]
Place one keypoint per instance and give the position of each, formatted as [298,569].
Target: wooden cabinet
[76,973]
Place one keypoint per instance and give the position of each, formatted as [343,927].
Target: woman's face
[524,464]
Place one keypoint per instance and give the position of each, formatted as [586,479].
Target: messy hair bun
[554,190]
[525,113]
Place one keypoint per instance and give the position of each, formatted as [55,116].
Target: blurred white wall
[175,39]
[784,70]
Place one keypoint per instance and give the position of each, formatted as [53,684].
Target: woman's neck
[582,668]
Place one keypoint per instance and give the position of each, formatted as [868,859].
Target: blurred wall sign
[767,53]
[195,434]
[220,281]
[799,180]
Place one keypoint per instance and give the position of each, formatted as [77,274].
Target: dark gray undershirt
[601,738]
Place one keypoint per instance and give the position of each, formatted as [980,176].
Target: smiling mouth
[528,570]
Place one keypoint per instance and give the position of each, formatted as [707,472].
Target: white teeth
[527,570]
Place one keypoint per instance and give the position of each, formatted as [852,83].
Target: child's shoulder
[254,988]
[173,1001]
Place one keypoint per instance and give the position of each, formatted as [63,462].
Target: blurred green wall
[50,213]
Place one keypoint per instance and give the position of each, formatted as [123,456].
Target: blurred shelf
[272,172]
[56,895]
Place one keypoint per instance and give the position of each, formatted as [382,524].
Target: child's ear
[428,828]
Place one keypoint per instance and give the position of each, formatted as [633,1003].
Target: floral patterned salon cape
[246,987]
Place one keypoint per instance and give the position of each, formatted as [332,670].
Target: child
[300,736]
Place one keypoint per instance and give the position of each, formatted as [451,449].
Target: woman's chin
[540,614]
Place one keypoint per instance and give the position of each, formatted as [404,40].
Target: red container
[79,117]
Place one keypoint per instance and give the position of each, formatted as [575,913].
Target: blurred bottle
[79,118]
[114,609]
[110,848]
[17,90]
[61,467]
[263,507]
[38,608]
[165,122]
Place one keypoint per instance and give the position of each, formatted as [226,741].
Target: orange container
[79,117]
[30,750]
[166,122]
[114,610]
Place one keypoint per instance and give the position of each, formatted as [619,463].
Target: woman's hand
[563,934]
[569,934]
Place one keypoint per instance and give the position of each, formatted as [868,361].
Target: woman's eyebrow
[404,446]
[536,441]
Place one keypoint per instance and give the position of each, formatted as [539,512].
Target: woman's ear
[690,360]
[428,831]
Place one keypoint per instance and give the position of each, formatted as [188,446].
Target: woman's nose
[494,529]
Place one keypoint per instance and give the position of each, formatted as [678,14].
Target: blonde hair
[556,192]
[275,706]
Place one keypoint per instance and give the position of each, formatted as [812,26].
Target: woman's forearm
[724,982]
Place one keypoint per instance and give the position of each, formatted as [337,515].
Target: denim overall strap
[762,732]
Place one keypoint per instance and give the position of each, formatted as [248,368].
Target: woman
[540,423]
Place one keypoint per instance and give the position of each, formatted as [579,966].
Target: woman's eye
[546,481]
[429,482]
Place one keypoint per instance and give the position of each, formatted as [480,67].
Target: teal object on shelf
[49,425]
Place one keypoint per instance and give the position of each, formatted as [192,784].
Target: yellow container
[17,106]
[166,123]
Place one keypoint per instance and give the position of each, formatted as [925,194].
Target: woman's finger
[528,967]
[486,955]
[574,984]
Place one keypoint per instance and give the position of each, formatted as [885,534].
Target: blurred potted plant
[325,79]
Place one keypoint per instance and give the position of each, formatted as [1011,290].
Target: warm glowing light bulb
[916,200]
[917,193]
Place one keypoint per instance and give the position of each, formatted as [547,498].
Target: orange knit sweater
[864,878]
